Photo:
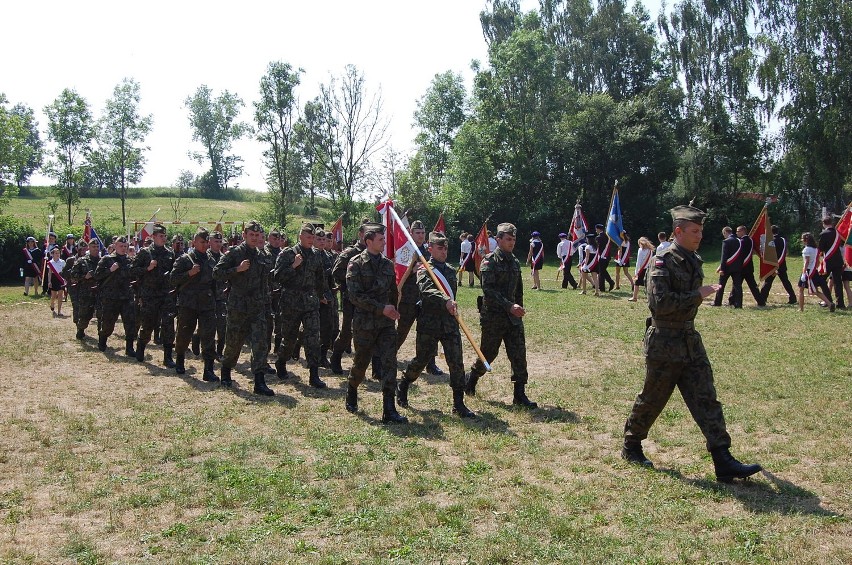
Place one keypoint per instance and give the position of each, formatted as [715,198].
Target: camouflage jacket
[220,287]
[302,287]
[85,287]
[249,290]
[434,319]
[338,272]
[675,276]
[502,284]
[156,281]
[410,294]
[198,291]
[114,285]
[371,285]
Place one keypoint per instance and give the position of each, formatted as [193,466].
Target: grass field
[105,460]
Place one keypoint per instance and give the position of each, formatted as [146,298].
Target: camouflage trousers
[677,358]
[187,320]
[380,342]
[289,323]
[272,321]
[157,311]
[110,311]
[329,323]
[407,317]
[221,322]
[344,338]
[244,326]
[427,348]
[85,312]
[497,329]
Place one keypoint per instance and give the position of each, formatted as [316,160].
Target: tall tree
[13,137]
[439,115]
[214,123]
[70,127]
[33,146]
[122,132]
[276,114]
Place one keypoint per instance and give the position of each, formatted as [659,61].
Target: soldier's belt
[665,324]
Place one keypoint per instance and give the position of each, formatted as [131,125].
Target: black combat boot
[314,379]
[180,367]
[728,468]
[389,413]
[281,369]
[470,381]
[220,348]
[260,385]
[140,351]
[352,399]
[323,362]
[433,369]
[208,374]
[167,356]
[335,360]
[458,405]
[80,334]
[196,344]
[128,347]
[632,452]
[226,376]
[520,397]
[376,362]
[102,342]
[296,350]
[402,392]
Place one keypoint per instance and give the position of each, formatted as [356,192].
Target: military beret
[319,232]
[274,232]
[94,242]
[216,235]
[254,226]
[437,238]
[307,228]
[563,234]
[688,213]
[506,228]
[177,237]
[373,227]
[417,225]
[202,233]
[121,239]
[158,228]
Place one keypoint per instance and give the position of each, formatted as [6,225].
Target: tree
[214,124]
[122,132]
[13,136]
[276,114]
[439,115]
[33,150]
[70,127]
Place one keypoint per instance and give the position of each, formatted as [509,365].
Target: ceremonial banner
[440,226]
[615,221]
[397,248]
[148,229]
[90,234]
[480,247]
[764,244]
[844,225]
[578,230]
[336,232]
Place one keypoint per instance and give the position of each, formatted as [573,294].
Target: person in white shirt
[664,241]
[566,257]
[643,261]
[492,243]
[55,282]
[466,262]
[622,261]
[811,279]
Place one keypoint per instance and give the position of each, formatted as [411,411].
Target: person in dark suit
[831,246]
[746,253]
[781,273]
[730,267]
[604,253]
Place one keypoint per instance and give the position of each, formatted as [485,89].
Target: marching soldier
[338,272]
[273,248]
[116,298]
[83,276]
[192,278]
[215,253]
[300,274]
[501,315]
[371,285]
[328,311]
[437,324]
[674,353]
[151,269]
[246,268]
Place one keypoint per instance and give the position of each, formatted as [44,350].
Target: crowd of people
[279,299]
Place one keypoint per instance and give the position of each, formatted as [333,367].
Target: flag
[764,244]
[615,221]
[388,222]
[336,232]
[90,234]
[147,229]
[577,232]
[404,252]
[440,226]
[844,225]
[480,247]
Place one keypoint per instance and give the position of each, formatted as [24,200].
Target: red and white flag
[764,244]
[440,226]
[336,232]
[147,229]
[480,247]
[844,224]
[397,247]
[577,231]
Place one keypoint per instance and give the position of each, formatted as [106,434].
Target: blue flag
[615,221]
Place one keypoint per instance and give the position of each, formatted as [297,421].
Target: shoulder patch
[659,263]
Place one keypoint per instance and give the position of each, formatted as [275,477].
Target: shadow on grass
[776,495]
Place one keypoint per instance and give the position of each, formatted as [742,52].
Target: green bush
[13,236]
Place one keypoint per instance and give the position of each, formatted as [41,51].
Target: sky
[173,47]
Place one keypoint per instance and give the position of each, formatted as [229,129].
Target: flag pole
[425,264]
[46,243]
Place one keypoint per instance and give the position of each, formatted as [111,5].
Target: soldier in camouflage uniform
[215,253]
[246,268]
[410,296]
[371,285]
[192,277]
[300,274]
[674,353]
[501,314]
[71,288]
[338,272]
[273,248]
[328,311]
[116,298]
[151,269]
[83,277]
[437,324]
